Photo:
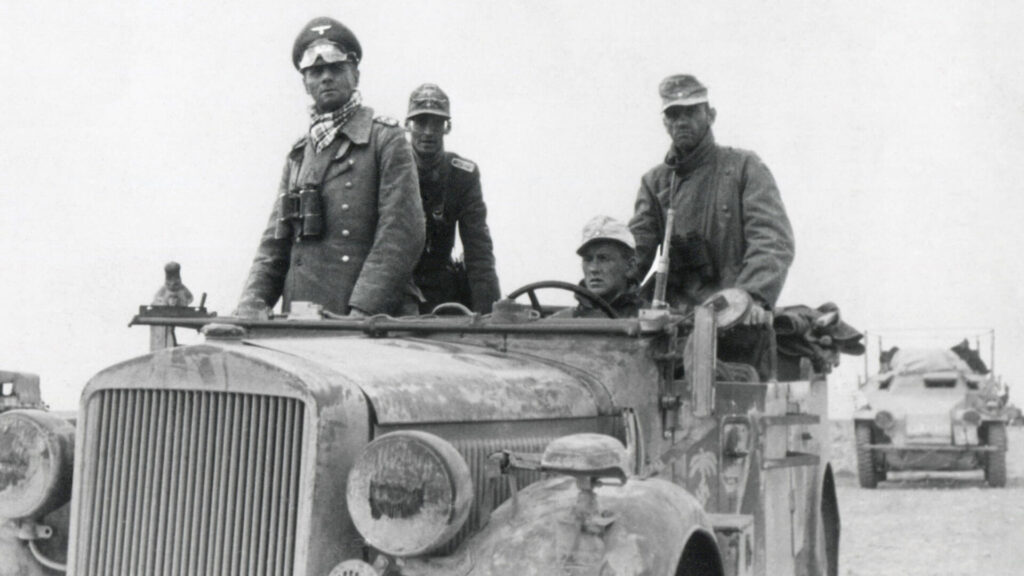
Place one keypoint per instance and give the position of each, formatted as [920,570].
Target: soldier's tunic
[728,197]
[452,195]
[626,305]
[373,225]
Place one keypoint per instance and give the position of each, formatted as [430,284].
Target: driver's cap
[606,228]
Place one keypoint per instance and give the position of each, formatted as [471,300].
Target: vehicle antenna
[661,274]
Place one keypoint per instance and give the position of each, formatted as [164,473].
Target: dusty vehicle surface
[504,444]
[931,409]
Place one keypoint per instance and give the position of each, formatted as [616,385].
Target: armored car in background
[931,409]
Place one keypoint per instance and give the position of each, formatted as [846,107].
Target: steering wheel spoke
[531,292]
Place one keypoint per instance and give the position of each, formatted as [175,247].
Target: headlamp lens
[409,492]
[36,456]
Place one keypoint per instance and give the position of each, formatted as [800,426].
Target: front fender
[533,534]
[17,560]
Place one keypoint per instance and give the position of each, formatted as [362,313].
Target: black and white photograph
[566,287]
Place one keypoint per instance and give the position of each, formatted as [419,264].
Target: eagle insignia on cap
[321,29]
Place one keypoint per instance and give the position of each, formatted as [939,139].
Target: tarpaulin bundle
[818,334]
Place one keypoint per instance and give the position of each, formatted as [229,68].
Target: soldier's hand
[757,316]
[356,313]
[252,309]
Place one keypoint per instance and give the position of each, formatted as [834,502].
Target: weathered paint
[583,454]
[650,522]
[424,381]
[336,429]
[514,385]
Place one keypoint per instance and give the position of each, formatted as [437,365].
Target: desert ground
[930,524]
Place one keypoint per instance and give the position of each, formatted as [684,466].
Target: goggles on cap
[430,104]
[329,52]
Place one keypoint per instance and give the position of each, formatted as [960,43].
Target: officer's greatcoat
[729,198]
[373,225]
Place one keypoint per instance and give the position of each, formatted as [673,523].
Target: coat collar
[357,129]
[684,164]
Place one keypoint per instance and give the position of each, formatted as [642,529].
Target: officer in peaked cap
[452,198]
[328,39]
[608,256]
[347,226]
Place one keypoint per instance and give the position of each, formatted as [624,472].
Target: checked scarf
[324,127]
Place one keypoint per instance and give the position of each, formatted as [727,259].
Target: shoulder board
[385,120]
[463,164]
[299,143]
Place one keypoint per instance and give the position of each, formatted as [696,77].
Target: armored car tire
[995,462]
[867,474]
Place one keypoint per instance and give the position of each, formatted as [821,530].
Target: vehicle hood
[409,380]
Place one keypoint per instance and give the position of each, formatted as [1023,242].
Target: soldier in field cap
[347,226]
[608,257]
[452,197]
[730,228]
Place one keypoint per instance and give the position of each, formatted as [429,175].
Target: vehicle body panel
[159,434]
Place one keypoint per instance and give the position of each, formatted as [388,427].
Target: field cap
[325,39]
[606,228]
[681,90]
[428,99]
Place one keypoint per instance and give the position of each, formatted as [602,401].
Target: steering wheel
[530,290]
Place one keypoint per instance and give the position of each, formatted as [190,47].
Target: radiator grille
[190,483]
[476,452]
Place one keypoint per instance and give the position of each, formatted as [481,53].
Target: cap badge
[321,29]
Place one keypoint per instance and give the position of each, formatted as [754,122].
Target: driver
[608,258]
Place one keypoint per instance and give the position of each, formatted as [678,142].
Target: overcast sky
[134,133]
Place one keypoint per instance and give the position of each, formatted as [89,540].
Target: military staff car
[931,409]
[459,445]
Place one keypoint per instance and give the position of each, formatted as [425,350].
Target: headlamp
[324,50]
[409,492]
[884,420]
[36,459]
[971,417]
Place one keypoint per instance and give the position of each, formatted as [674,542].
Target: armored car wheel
[531,291]
[995,462]
[867,474]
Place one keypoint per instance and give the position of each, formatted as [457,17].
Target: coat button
[348,184]
[345,233]
[344,206]
[344,258]
[351,162]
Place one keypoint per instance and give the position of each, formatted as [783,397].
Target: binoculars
[300,214]
[691,254]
